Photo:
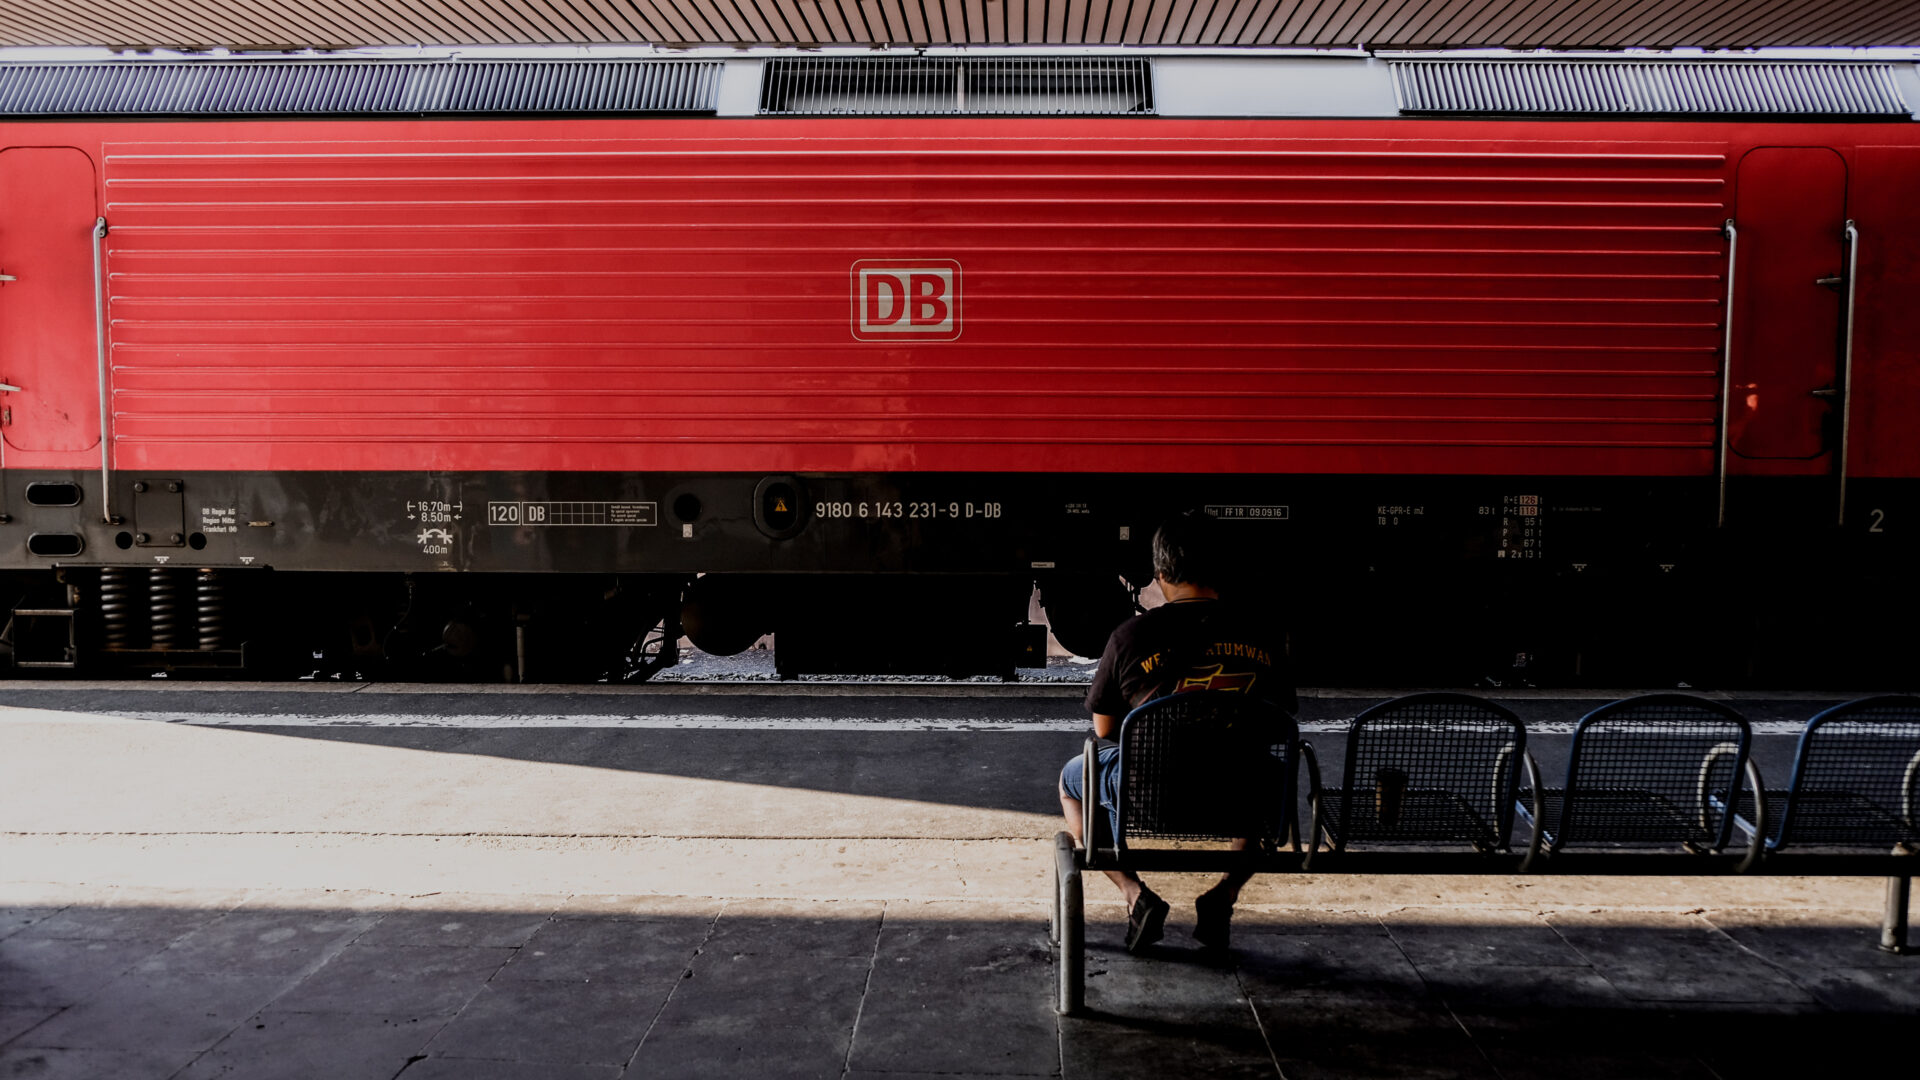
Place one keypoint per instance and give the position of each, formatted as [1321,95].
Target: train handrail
[1846,363]
[100,352]
[1726,366]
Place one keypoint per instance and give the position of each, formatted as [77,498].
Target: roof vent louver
[1656,87]
[357,87]
[957,86]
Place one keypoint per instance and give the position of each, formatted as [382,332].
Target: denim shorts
[1106,777]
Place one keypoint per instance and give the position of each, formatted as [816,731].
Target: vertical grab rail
[1726,367]
[100,353]
[1846,364]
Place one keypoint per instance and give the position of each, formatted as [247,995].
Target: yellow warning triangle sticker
[779,506]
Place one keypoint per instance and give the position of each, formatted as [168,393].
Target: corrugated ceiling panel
[306,87]
[1659,87]
[275,24]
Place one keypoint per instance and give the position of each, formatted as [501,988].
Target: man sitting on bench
[1195,641]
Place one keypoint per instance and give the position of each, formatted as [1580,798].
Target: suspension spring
[163,608]
[117,602]
[214,626]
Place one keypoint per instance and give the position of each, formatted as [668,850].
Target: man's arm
[1105,726]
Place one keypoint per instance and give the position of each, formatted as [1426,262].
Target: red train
[1518,397]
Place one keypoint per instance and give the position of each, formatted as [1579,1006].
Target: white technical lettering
[219,519]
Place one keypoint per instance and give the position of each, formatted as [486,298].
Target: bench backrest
[1660,768]
[1205,765]
[1432,768]
[1856,777]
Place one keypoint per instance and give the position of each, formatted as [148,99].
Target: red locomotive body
[1415,296]
[965,346]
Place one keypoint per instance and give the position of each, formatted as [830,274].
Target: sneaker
[1212,921]
[1146,920]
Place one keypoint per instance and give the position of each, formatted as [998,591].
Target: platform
[370,881]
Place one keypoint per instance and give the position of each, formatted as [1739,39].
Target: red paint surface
[47,329]
[1792,218]
[1206,296]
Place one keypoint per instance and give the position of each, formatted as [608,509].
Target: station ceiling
[1389,24]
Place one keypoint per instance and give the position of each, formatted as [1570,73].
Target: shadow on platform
[139,985]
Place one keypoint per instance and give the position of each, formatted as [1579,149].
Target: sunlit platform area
[390,883]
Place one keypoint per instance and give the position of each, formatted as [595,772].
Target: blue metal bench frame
[1844,803]
[1633,780]
[1434,749]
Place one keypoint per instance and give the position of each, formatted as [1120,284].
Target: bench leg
[1069,927]
[1053,928]
[1893,931]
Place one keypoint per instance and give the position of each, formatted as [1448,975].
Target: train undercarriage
[1403,581]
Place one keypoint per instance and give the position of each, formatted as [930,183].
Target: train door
[47,349]
[1789,292]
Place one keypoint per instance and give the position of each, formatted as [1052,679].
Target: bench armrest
[1535,814]
[1089,798]
[1757,840]
[1310,761]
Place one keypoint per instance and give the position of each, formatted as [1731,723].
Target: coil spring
[212,595]
[163,608]
[116,607]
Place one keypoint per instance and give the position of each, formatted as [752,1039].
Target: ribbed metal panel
[1389,24]
[1173,297]
[1615,87]
[936,86]
[333,87]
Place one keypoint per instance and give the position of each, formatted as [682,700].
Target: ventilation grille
[956,86]
[332,87]
[1661,87]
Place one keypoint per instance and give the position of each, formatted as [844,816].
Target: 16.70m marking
[911,511]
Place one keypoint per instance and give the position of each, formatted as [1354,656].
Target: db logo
[894,299]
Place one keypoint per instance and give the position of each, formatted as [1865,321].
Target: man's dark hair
[1186,550]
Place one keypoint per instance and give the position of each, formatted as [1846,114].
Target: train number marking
[912,511]
[898,298]
[1879,518]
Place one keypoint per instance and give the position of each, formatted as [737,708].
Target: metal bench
[1426,769]
[1855,784]
[1658,771]
[1204,766]
[1436,783]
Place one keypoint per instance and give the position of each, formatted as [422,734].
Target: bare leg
[1127,881]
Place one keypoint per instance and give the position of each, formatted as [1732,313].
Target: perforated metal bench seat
[1431,784]
[1656,771]
[1623,816]
[1427,816]
[1422,770]
[1855,783]
[1834,819]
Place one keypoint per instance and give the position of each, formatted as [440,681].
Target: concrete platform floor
[201,883]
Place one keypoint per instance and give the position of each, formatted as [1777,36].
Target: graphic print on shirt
[1225,674]
[1215,678]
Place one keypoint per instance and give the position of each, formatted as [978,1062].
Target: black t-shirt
[1191,645]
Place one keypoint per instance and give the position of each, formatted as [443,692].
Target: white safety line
[656,721]
[672,722]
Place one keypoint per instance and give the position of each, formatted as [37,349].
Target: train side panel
[1471,371]
[1170,297]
